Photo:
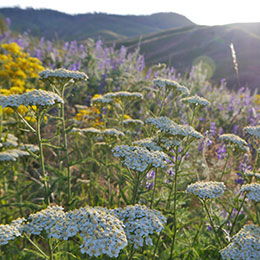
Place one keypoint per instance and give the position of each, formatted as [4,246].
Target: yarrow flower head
[62,74]
[253,191]
[149,144]
[11,231]
[244,245]
[31,147]
[43,220]
[87,131]
[124,95]
[253,131]
[140,222]
[131,121]
[12,155]
[196,100]
[167,126]
[252,174]
[234,139]
[101,232]
[101,101]
[31,98]
[9,140]
[112,132]
[139,158]
[171,85]
[206,190]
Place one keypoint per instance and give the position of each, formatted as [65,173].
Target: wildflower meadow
[103,157]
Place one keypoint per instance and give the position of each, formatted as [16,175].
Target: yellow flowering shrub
[16,70]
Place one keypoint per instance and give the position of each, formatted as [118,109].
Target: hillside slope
[182,47]
[53,24]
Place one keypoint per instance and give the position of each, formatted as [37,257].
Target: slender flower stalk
[41,156]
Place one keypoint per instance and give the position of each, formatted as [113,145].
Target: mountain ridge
[50,23]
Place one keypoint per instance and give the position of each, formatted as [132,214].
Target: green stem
[64,136]
[174,219]
[154,187]
[235,220]
[225,165]
[156,247]
[41,157]
[211,223]
[50,248]
[135,190]
[36,246]
[24,121]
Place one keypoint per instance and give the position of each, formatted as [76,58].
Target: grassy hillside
[185,46]
[53,24]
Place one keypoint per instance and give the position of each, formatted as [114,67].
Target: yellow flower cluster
[257,99]
[16,68]
[90,115]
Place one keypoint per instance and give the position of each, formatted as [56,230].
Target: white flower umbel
[253,131]
[40,98]
[101,101]
[124,95]
[171,85]
[206,190]
[11,231]
[31,147]
[62,74]
[244,245]
[149,144]
[131,121]
[234,139]
[252,174]
[101,232]
[167,126]
[139,158]
[9,140]
[12,155]
[11,101]
[32,98]
[140,222]
[112,132]
[167,142]
[87,131]
[196,100]
[253,191]
[44,220]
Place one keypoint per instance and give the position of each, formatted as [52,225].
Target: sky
[204,12]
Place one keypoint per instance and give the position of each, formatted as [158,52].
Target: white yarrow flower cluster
[87,131]
[31,98]
[11,231]
[131,121]
[234,139]
[101,232]
[244,245]
[171,85]
[124,95]
[252,174]
[63,74]
[112,132]
[43,220]
[196,100]
[9,140]
[140,222]
[101,101]
[149,144]
[167,126]
[139,158]
[12,155]
[253,131]
[167,142]
[31,147]
[253,191]
[206,190]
